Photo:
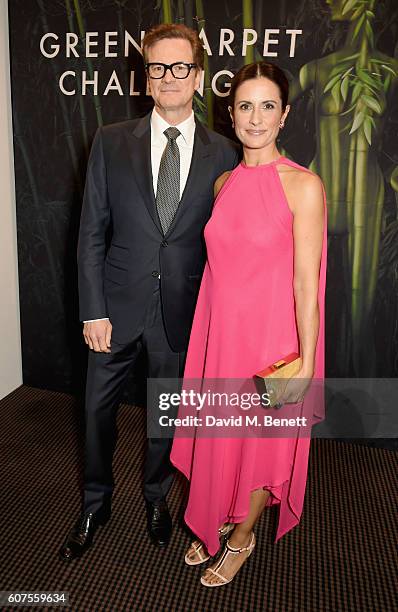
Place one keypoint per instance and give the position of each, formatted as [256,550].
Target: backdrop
[76,65]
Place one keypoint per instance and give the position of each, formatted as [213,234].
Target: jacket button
[165,243]
[155,273]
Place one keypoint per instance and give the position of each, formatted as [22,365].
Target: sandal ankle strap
[239,550]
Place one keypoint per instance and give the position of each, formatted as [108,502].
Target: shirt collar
[159,125]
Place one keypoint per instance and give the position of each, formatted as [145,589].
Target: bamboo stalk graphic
[247,22]
[64,109]
[167,12]
[365,220]
[359,80]
[82,110]
[126,80]
[188,12]
[180,12]
[80,23]
[258,13]
[42,225]
[208,93]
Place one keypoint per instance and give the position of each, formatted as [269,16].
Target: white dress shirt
[158,143]
[184,142]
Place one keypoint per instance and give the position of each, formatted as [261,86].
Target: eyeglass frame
[167,67]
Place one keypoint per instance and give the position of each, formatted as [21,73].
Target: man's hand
[97,334]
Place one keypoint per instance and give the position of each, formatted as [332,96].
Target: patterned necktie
[168,188]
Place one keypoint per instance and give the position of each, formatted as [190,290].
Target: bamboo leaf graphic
[356,91]
[369,32]
[367,128]
[351,57]
[346,128]
[344,88]
[389,69]
[377,76]
[358,120]
[358,27]
[347,112]
[372,103]
[348,6]
[358,12]
[366,78]
[374,60]
[387,83]
[347,72]
[336,93]
[331,83]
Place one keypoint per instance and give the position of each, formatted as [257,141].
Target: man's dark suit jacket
[117,282]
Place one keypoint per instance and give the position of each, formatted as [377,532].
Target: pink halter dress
[245,320]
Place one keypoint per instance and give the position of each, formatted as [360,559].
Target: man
[150,185]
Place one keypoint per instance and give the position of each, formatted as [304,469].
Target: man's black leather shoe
[80,538]
[159,522]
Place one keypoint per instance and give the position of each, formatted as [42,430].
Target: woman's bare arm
[308,227]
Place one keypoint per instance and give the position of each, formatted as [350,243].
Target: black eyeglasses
[179,70]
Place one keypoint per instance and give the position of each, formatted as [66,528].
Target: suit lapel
[139,148]
[202,154]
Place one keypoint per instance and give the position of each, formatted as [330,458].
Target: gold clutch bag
[276,376]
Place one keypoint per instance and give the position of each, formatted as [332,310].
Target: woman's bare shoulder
[303,189]
[300,177]
[219,182]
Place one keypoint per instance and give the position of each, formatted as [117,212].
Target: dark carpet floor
[342,556]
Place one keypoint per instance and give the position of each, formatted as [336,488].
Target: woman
[261,298]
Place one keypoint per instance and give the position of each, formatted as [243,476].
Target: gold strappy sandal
[199,548]
[228,550]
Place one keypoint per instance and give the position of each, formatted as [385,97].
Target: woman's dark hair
[257,70]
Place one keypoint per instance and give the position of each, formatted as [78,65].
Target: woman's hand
[296,388]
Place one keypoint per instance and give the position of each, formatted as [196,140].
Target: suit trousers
[106,376]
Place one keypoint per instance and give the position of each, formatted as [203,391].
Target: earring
[281,125]
[233,124]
